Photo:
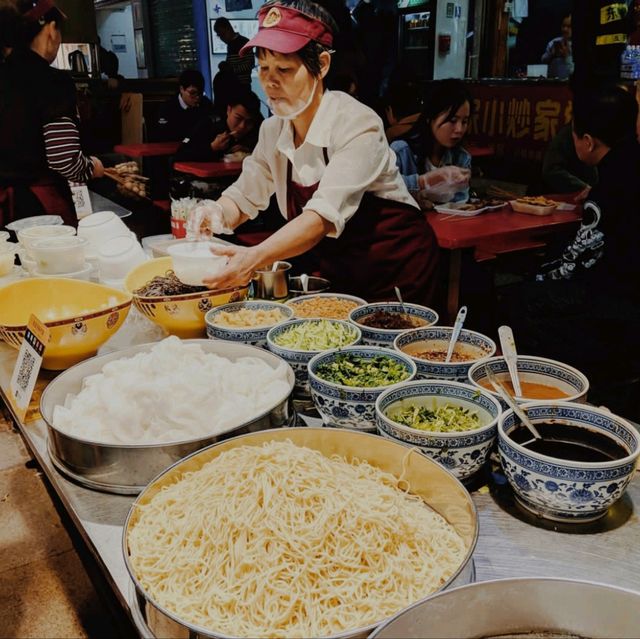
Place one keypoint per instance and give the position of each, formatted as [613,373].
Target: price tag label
[81,200]
[27,367]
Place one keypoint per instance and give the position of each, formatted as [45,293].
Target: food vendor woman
[39,140]
[325,155]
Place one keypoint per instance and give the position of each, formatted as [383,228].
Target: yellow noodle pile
[281,541]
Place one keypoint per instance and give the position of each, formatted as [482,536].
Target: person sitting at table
[214,137]
[402,109]
[178,116]
[349,215]
[584,308]
[433,163]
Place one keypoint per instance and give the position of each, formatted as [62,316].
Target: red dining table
[480,151]
[147,149]
[209,169]
[494,233]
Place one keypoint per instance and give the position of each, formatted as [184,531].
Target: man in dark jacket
[585,307]
[178,116]
[214,136]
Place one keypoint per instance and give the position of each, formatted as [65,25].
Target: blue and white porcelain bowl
[384,336]
[462,453]
[319,297]
[298,359]
[535,370]
[254,335]
[567,491]
[351,406]
[475,346]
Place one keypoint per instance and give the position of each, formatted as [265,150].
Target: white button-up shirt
[360,161]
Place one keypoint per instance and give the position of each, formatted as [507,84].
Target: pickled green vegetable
[348,370]
[439,419]
[316,335]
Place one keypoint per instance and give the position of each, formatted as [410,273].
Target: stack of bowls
[105,233]
[464,452]
[62,256]
[7,254]
[28,236]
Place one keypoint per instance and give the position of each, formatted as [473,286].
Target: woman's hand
[242,262]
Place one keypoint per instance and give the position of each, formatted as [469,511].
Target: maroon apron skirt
[385,244]
[45,196]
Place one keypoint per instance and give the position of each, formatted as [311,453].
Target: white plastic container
[58,255]
[101,227]
[36,220]
[85,273]
[193,261]
[29,236]
[118,255]
[7,257]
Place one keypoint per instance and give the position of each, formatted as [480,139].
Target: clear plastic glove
[207,219]
[441,185]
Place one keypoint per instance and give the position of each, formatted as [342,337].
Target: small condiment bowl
[478,346]
[462,453]
[384,336]
[533,370]
[351,406]
[253,335]
[298,359]
[563,490]
[321,298]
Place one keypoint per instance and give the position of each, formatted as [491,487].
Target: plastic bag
[441,185]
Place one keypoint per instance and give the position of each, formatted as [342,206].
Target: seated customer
[179,115]
[562,171]
[214,136]
[434,165]
[402,109]
[585,307]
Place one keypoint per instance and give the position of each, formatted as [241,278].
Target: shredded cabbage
[316,335]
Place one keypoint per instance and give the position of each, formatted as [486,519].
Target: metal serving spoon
[508,345]
[511,402]
[457,327]
[399,296]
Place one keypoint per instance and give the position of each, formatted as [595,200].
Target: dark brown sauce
[569,442]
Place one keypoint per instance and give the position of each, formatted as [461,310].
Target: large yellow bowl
[81,316]
[181,315]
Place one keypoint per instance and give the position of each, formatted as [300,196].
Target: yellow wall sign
[613,12]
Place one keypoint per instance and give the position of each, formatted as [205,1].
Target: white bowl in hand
[194,261]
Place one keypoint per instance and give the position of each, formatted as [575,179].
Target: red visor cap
[286,30]
[41,8]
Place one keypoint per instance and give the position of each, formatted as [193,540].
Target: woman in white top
[326,157]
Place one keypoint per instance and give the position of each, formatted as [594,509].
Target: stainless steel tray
[520,607]
[439,488]
[125,469]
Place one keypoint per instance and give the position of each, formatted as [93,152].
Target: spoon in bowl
[513,405]
[457,327]
[304,282]
[508,345]
[399,296]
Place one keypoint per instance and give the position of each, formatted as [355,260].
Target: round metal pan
[127,469]
[439,489]
[523,608]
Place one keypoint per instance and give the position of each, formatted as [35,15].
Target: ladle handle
[508,345]
[457,327]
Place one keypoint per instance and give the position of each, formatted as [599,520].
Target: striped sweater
[64,153]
